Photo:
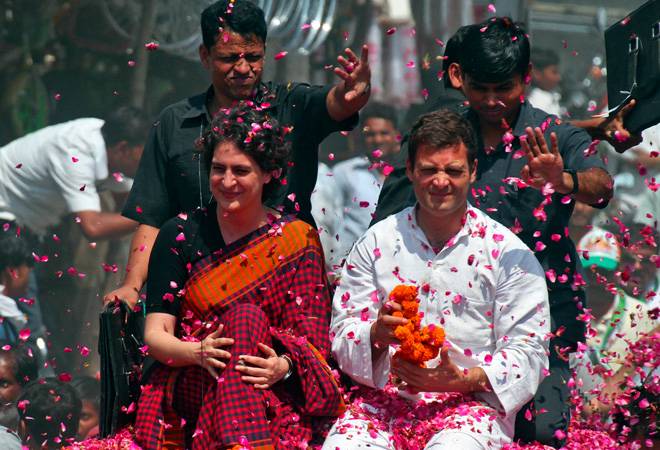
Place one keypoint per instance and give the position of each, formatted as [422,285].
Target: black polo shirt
[172,179]
[540,222]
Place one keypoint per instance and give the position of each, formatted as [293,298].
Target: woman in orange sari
[238,308]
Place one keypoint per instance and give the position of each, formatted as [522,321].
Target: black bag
[633,65]
[120,349]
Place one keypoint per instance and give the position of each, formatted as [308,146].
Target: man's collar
[264,95]
[198,104]
[471,214]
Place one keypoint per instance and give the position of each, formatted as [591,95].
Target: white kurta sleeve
[521,325]
[354,309]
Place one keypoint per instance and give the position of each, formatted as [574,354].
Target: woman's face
[236,179]
[89,418]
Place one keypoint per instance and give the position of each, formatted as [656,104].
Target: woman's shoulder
[296,230]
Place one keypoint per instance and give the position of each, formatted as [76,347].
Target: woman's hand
[211,354]
[263,372]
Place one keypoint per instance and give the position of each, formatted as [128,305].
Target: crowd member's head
[600,255]
[492,68]
[124,133]
[379,129]
[453,53]
[49,412]
[442,163]
[545,69]
[18,367]
[247,156]
[89,392]
[638,264]
[16,262]
[233,48]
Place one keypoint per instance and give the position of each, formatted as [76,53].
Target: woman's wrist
[289,367]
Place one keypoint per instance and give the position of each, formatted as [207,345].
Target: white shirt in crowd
[545,100]
[485,288]
[358,187]
[54,171]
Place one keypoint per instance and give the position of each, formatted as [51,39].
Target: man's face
[235,64]
[494,101]
[441,179]
[547,78]
[380,134]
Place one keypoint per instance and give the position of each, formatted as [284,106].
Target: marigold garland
[418,344]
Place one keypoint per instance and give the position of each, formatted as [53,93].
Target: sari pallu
[268,287]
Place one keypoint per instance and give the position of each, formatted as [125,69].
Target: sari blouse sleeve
[305,332]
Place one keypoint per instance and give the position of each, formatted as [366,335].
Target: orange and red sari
[268,287]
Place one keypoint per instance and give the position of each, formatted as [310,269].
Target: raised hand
[355,72]
[544,165]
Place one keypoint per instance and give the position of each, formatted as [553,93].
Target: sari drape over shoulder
[276,273]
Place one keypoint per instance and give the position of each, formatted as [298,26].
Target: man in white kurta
[475,278]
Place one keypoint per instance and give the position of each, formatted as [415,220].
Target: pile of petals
[120,441]
[412,424]
[418,344]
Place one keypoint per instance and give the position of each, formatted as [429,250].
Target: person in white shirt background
[358,180]
[54,171]
[545,80]
[476,279]
[51,184]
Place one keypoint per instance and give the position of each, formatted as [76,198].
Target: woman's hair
[255,134]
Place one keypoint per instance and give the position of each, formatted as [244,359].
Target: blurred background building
[61,59]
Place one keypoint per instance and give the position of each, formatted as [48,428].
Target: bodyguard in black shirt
[531,169]
[170,179]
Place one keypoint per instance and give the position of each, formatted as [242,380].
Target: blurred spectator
[326,212]
[15,266]
[620,313]
[56,170]
[545,81]
[49,412]
[89,392]
[9,440]
[18,366]
[360,179]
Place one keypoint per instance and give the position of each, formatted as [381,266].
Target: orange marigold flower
[418,344]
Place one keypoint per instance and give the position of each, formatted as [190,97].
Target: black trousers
[550,407]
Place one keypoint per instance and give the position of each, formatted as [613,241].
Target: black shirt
[171,177]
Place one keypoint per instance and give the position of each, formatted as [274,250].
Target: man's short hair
[379,110]
[88,390]
[23,361]
[441,129]
[15,249]
[50,409]
[495,50]
[544,57]
[240,16]
[126,123]
[453,52]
